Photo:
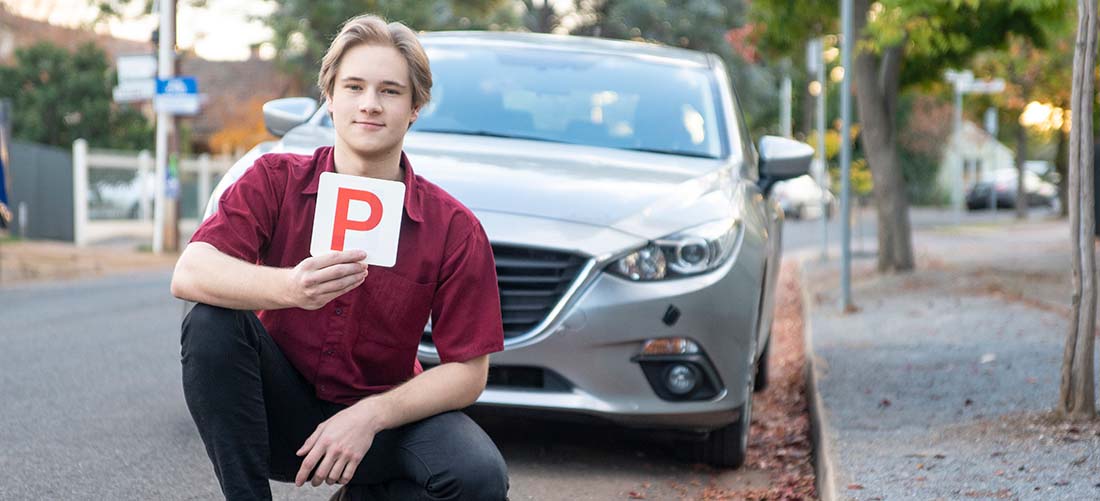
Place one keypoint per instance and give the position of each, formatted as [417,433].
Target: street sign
[137,78]
[177,96]
[128,91]
[136,67]
[995,86]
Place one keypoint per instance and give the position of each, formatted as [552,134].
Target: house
[234,90]
[979,155]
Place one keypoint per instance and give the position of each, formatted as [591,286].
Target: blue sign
[177,85]
[177,96]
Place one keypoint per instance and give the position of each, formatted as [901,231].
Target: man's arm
[204,274]
[339,444]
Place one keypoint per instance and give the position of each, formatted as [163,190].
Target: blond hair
[370,29]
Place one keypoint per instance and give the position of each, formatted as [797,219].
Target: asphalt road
[93,409]
[92,406]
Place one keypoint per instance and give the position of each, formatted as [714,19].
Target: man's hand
[320,279]
[338,445]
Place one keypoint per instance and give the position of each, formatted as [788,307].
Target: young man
[323,385]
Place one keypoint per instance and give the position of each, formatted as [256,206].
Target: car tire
[724,447]
[760,383]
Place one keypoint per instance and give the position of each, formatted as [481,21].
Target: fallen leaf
[636,495]
[968,402]
[884,403]
[855,487]
[999,473]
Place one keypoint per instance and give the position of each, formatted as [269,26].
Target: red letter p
[344,196]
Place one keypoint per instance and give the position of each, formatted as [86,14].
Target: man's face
[371,102]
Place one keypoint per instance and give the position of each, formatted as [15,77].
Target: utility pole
[785,101]
[165,229]
[172,233]
[847,37]
[815,59]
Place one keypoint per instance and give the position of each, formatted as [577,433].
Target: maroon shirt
[364,342]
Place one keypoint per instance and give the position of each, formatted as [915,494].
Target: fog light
[681,379]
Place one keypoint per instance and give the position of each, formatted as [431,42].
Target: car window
[574,97]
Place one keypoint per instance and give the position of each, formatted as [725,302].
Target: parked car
[1004,182]
[802,198]
[637,244]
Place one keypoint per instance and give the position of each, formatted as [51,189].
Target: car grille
[532,282]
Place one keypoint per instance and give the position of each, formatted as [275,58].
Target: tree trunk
[1077,398]
[876,80]
[1021,157]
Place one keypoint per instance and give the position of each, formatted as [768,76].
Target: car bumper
[589,352]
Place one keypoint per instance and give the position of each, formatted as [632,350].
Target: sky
[220,31]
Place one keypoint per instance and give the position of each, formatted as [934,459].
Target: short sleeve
[246,216]
[466,319]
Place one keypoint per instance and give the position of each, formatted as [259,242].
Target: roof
[569,43]
[17,32]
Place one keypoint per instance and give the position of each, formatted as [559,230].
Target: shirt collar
[412,194]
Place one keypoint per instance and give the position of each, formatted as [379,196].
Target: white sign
[129,91]
[136,67]
[985,87]
[355,212]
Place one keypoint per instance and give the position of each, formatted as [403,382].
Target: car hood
[644,194]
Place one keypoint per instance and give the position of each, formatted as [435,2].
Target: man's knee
[477,473]
[208,331]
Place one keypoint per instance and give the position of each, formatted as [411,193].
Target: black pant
[254,410]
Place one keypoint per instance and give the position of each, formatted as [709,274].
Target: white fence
[140,189]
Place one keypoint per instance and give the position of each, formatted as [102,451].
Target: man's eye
[394,92]
[353,87]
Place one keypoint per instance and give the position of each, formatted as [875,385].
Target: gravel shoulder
[941,384]
[23,261]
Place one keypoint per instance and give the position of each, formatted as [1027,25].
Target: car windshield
[574,97]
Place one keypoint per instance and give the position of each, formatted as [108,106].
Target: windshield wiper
[673,152]
[485,133]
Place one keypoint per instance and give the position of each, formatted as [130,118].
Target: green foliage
[303,29]
[58,96]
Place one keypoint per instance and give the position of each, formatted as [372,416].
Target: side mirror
[281,115]
[782,158]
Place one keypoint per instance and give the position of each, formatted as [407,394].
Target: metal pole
[785,105]
[165,68]
[847,36]
[956,189]
[80,192]
[823,169]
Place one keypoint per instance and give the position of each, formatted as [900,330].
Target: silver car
[636,243]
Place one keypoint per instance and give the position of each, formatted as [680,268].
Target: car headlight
[690,252]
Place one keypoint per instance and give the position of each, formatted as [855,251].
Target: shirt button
[324,388]
[339,311]
[330,352]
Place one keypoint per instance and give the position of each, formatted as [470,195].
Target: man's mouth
[369,124]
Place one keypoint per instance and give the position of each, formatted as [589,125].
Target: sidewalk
[939,385]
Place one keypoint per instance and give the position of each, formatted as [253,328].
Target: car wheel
[726,446]
[761,381]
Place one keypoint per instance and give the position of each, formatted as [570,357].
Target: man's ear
[328,103]
[415,115]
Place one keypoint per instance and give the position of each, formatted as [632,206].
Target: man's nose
[370,103]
